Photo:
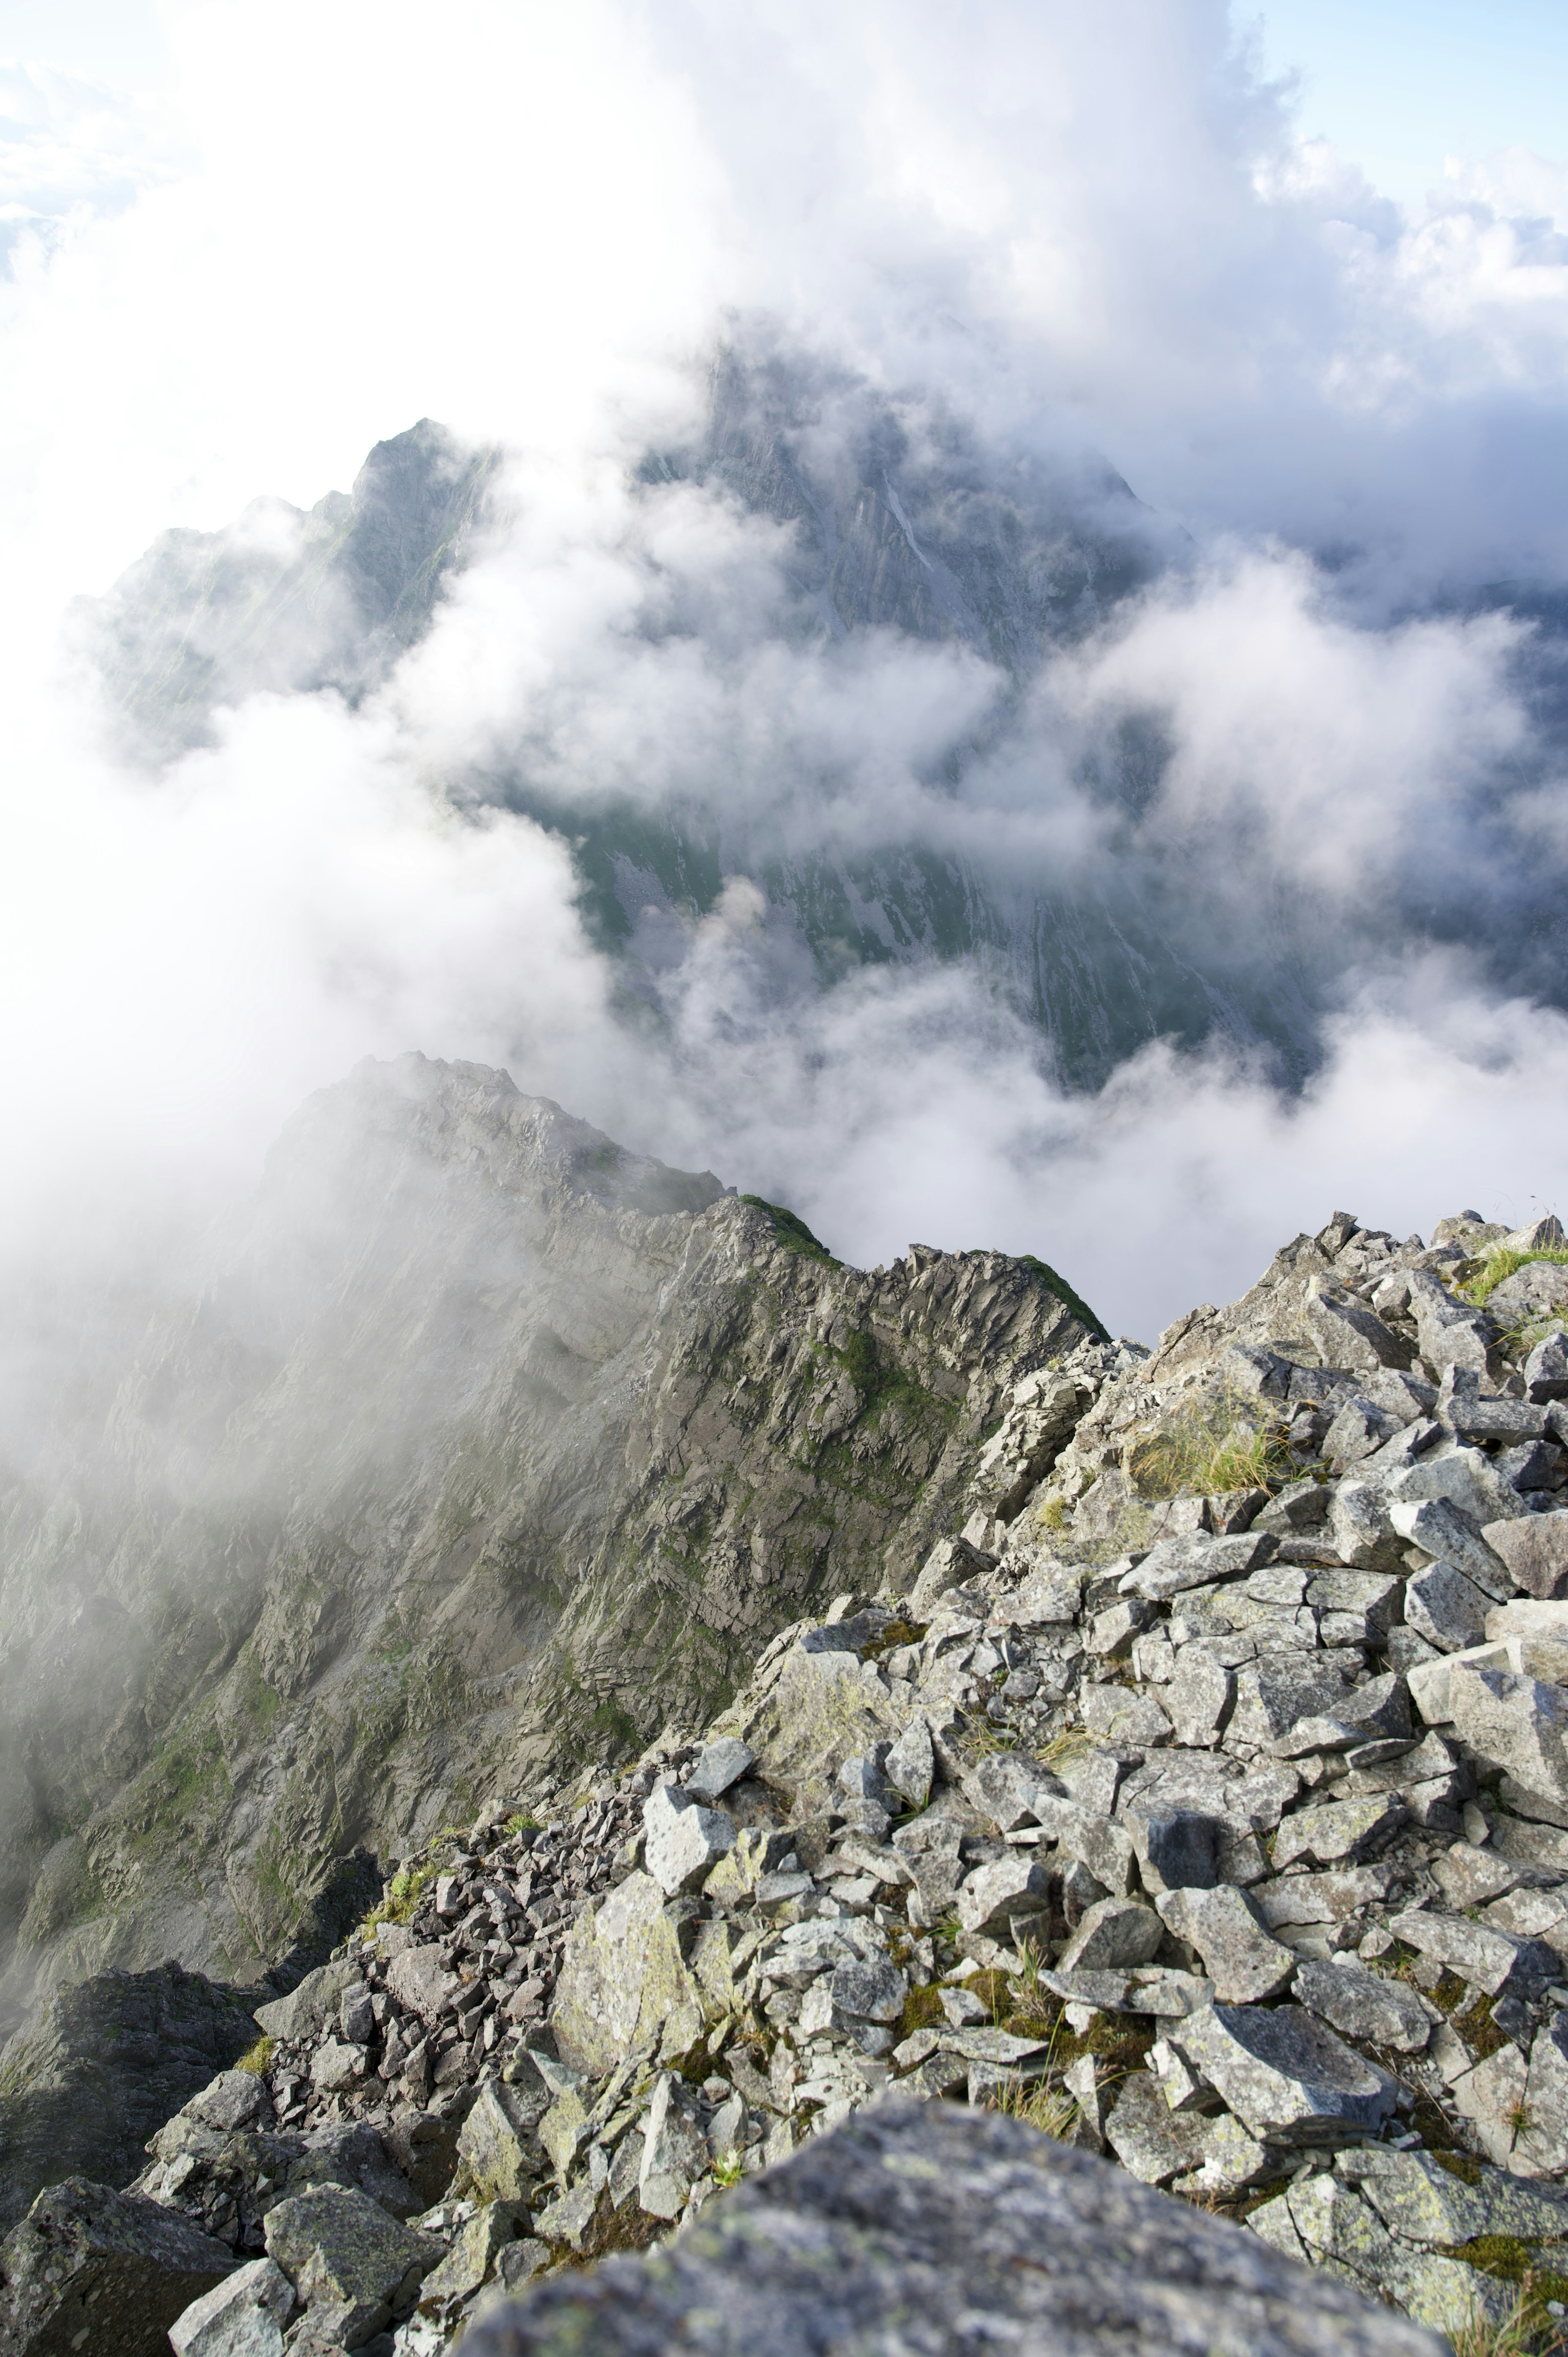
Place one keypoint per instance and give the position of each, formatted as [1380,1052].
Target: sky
[1321,329]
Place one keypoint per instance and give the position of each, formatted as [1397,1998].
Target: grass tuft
[1209,1447]
[257,2058]
[1497,1265]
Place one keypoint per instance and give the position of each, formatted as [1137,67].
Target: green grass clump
[257,2058]
[791,1232]
[1209,1447]
[1499,1265]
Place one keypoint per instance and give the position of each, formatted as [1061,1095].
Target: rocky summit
[1098,1876]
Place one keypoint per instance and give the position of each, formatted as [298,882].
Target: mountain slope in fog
[484,1445]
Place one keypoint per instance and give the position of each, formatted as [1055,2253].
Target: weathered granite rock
[1239,1955]
[1535,1550]
[1112,1934]
[84,2253]
[1152,2142]
[1446,1609]
[499,2141]
[819,1710]
[339,2248]
[244,2315]
[1485,1958]
[100,2067]
[1348,1333]
[1339,1831]
[719,1765]
[1191,1562]
[306,2009]
[1178,1849]
[624,1981]
[1197,1699]
[1286,2078]
[961,2227]
[910,1763]
[1540,2149]
[475,2251]
[684,1841]
[992,1895]
[1516,1723]
[420,1980]
[1451,1333]
[1367,2005]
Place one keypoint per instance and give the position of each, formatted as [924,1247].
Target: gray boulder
[1112,1935]
[1518,1724]
[92,2273]
[1286,2078]
[307,2010]
[684,1841]
[719,1765]
[243,2315]
[1446,1609]
[1535,1549]
[624,1981]
[962,2228]
[1362,2004]
[1242,1960]
[340,2249]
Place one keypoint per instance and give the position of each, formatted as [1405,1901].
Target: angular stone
[1362,2004]
[951,1564]
[1358,1527]
[1238,1956]
[684,1840]
[1197,1699]
[821,1709]
[475,2251]
[1232,2160]
[1111,1936]
[1538,1289]
[1540,2149]
[1348,1333]
[1370,1600]
[674,2152]
[734,1882]
[1149,2139]
[1482,1956]
[1178,1849]
[337,2246]
[1118,1714]
[85,2255]
[1339,1831]
[243,2315]
[1275,1694]
[422,1982]
[334,2066]
[306,2012]
[719,1765]
[1288,2078]
[1464,1479]
[872,1989]
[1111,1632]
[1469,1876]
[1491,2097]
[1451,1333]
[1006,1788]
[929,1846]
[1195,1560]
[910,1765]
[1424,2203]
[1546,1369]
[564,2130]
[990,1897]
[1446,1609]
[1096,1841]
[624,1982]
[1535,1550]
[1515,1723]
[568,2218]
[1442,1529]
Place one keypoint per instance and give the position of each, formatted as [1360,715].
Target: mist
[1072,251]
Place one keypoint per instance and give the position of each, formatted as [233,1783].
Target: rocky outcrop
[486,1451]
[100,2066]
[976,2225]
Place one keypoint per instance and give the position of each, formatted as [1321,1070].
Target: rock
[334,2066]
[337,2246]
[1318,1897]
[951,1564]
[1362,2004]
[1469,1876]
[1111,1936]
[306,2012]
[1515,1723]
[929,1846]
[1111,1632]
[420,1982]
[1337,1830]
[987,2232]
[85,2253]
[719,1765]
[1238,1956]
[1446,1531]
[243,2315]
[1118,1714]
[1540,2145]
[872,1989]
[1178,1849]
[1464,1479]
[1007,1788]
[1197,1699]
[737,1877]
[1347,1332]
[1286,2078]
[1492,2097]
[624,1981]
[1193,1560]
[1359,1528]
[475,2251]
[1546,1369]
[990,1897]
[499,2140]
[674,2153]
[568,2218]
[1535,1550]
[1148,2138]
[1095,1841]
[684,1840]
[1446,1609]
[100,2066]
[1538,1289]
[1451,1333]
[821,1709]
[1485,1957]
[910,1763]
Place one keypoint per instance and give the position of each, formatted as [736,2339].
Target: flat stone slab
[924,2226]
[1286,2077]
[719,1765]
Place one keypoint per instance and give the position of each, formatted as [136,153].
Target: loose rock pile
[1224,1832]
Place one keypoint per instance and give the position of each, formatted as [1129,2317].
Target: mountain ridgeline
[480,1449]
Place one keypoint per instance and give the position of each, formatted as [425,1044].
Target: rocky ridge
[1218,1827]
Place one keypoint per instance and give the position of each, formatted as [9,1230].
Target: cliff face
[485,1447]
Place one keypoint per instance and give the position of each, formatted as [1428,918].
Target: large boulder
[93,2272]
[926,2225]
[624,1980]
[100,2066]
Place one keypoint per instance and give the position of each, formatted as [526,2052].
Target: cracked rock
[1238,1956]
[1288,2078]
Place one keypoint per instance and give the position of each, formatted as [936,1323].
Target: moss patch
[792,1233]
